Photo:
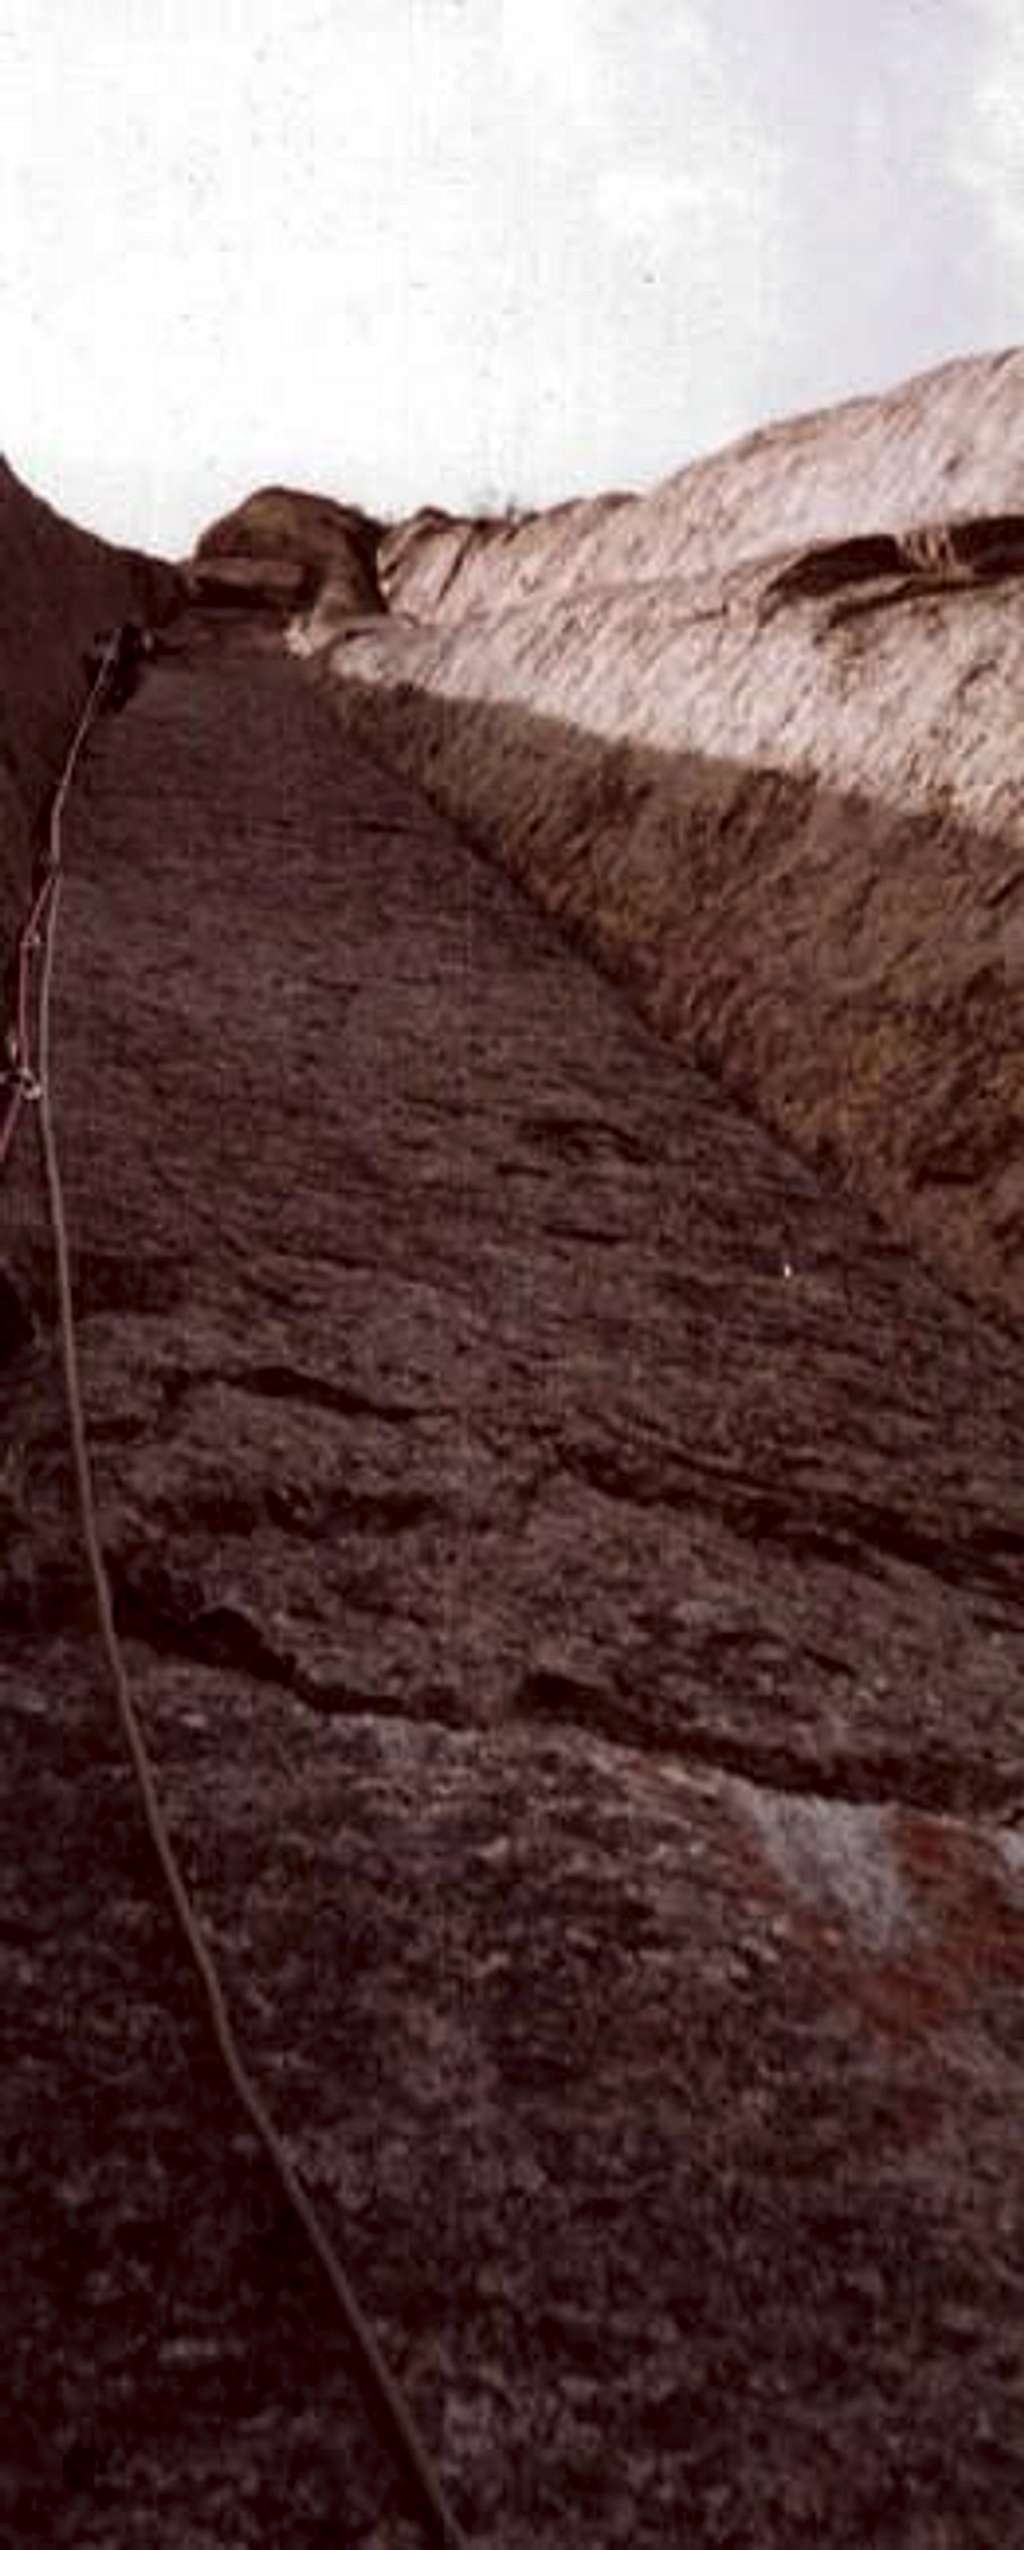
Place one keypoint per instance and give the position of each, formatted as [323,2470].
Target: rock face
[334,545]
[58,586]
[569,1565]
[774,787]
[250,584]
[946,443]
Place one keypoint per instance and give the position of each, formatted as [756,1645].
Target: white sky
[473,251]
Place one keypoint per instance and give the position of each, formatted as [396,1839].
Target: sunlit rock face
[755,735]
[945,443]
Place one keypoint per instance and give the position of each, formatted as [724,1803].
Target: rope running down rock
[40,929]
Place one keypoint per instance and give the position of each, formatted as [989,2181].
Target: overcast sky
[471,251]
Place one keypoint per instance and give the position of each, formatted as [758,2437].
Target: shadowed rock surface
[569,1561]
[250,584]
[58,586]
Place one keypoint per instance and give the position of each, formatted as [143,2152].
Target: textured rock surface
[946,442]
[570,1565]
[336,543]
[58,586]
[777,794]
[252,584]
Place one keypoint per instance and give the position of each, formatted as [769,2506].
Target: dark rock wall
[58,585]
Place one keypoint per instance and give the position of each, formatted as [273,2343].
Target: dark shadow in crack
[844,967]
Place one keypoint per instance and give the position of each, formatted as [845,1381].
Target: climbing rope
[39,932]
[22,1080]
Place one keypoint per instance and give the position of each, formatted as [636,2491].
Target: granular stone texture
[569,1562]
[753,736]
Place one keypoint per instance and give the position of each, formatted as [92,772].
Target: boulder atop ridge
[336,543]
